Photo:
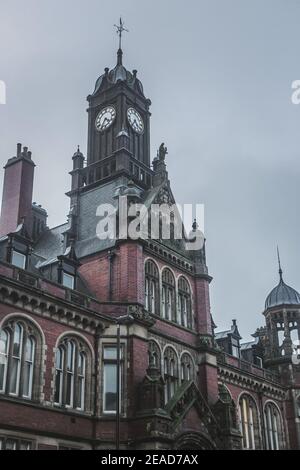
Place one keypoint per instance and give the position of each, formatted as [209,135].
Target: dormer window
[235,348]
[67,268]
[68,280]
[18,259]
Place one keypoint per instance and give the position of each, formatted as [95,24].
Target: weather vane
[120,29]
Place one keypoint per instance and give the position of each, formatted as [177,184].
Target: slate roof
[50,244]
[282,294]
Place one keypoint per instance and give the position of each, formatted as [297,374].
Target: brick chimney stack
[17,192]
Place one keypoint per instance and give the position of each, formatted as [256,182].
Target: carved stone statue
[162,152]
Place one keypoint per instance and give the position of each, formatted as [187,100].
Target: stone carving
[162,152]
[139,313]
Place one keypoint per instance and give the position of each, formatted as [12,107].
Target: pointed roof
[116,74]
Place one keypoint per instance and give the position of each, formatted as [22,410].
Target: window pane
[17,340]
[110,386]
[27,379]
[80,393]
[18,260]
[29,349]
[3,362]
[3,342]
[68,281]
[81,363]
[110,352]
[13,376]
[69,391]
[59,358]
[57,396]
[3,358]
[70,356]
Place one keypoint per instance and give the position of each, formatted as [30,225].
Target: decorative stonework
[140,314]
[43,304]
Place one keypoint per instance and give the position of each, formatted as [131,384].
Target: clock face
[105,118]
[135,120]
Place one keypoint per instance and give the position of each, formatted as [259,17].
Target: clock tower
[118,126]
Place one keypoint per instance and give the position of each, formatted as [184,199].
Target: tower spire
[120,28]
[279,264]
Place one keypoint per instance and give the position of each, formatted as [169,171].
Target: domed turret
[282,294]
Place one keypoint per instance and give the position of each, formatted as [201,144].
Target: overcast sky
[219,74]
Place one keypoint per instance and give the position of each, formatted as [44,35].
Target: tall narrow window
[71,362]
[59,360]
[147,290]
[28,367]
[273,427]
[249,423]
[168,295]
[14,376]
[4,347]
[110,379]
[170,373]
[184,303]
[81,381]
[70,374]
[151,287]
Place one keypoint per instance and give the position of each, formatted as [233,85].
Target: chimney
[17,192]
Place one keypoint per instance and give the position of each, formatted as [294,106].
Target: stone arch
[194,441]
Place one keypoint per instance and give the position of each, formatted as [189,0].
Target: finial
[195,225]
[279,264]
[78,148]
[120,29]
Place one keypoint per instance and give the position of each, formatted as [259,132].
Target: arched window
[71,374]
[249,422]
[151,287]
[184,303]
[273,427]
[19,367]
[187,368]
[168,295]
[170,373]
[154,355]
